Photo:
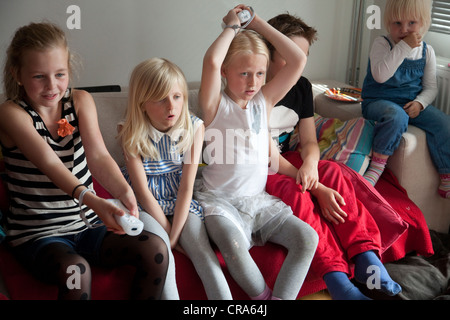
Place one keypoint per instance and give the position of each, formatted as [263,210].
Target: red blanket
[270,257]
[417,237]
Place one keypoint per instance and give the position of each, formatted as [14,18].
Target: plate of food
[344,94]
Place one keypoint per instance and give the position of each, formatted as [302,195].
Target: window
[441,16]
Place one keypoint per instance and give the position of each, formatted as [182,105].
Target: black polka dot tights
[58,263]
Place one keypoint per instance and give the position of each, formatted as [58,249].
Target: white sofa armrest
[412,165]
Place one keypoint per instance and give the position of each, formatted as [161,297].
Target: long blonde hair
[419,10]
[152,80]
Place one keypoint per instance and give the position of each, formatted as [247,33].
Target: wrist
[235,28]
[420,105]
[310,162]
[259,25]
[318,190]
[77,190]
[86,197]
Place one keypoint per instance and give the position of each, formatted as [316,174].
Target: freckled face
[165,113]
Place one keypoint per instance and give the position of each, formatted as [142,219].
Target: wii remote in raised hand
[244,16]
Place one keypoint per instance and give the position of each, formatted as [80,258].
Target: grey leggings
[295,235]
[195,242]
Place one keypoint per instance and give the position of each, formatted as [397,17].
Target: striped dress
[38,208]
[164,176]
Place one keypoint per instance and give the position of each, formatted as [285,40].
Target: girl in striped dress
[51,142]
[162,145]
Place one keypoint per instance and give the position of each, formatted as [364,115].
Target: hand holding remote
[244,16]
[130,224]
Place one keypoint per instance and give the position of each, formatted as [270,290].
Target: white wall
[440,43]
[116,35]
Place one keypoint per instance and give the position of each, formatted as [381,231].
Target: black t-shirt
[299,99]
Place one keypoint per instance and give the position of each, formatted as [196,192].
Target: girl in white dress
[239,213]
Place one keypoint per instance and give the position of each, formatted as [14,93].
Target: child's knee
[297,235]
[152,252]
[311,237]
[396,115]
[63,262]
[307,236]
[74,266]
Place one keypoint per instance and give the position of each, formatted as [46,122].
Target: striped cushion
[348,142]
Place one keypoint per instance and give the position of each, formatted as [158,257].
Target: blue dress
[164,175]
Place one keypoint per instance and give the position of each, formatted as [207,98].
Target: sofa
[411,232]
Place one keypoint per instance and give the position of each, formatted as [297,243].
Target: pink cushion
[391,225]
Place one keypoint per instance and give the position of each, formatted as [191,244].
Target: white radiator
[442,101]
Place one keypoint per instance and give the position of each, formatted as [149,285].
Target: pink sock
[375,170]
[265,295]
[444,188]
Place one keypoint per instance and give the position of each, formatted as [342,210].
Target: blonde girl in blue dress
[162,145]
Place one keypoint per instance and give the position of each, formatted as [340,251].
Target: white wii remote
[130,224]
[244,16]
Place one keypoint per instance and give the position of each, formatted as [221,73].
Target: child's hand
[413,39]
[106,210]
[308,178]
[231,18]
[129,201]
[330,202]
[413,109]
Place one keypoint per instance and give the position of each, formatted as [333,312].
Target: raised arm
[295,59]
[211,82]
[384,62]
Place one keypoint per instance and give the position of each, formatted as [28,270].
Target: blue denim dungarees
[383,102]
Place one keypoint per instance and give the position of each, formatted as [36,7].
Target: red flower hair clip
[65,128]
